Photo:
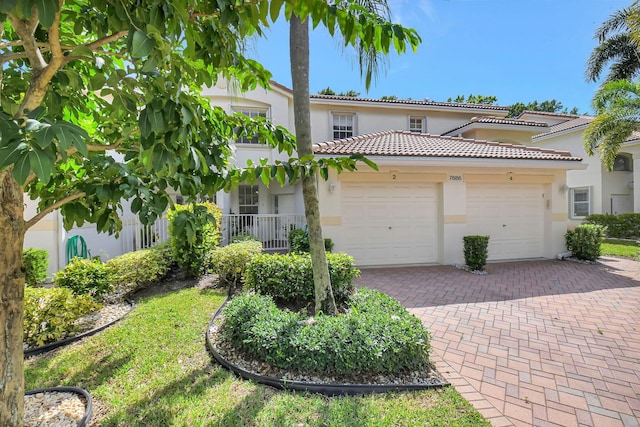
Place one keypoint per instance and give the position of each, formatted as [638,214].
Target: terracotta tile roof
[564,126]
[548,113]
[499,121]
[410,102]
[408,144]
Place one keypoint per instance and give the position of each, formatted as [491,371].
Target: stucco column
[636,182]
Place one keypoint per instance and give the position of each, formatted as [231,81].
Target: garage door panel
[385,223]
[512,216]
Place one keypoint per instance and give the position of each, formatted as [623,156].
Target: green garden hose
[76,247]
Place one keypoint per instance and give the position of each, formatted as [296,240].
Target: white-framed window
[250,112]
[248,197]
[580,202]
[622,163]
[342,125]
[417,124]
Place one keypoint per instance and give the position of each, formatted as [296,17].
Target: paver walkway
[542,343]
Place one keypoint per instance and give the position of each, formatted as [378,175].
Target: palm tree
[618,47]
[617,105]
[369,60]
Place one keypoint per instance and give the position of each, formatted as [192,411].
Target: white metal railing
[135,235]
[271,229]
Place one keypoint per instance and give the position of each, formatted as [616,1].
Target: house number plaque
[455,178]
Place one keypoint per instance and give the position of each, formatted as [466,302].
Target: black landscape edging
[328,389]
[65,389]
[48,347]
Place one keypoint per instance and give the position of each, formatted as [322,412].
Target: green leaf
[42,164]
[71,135]
[21,169]
[274,9]
[160,158]
[97,82]
[44,136]
[10,153]
[46,11]
[142,45]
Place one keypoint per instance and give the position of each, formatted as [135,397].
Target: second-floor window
[343,125]
[250,112]
[417,124]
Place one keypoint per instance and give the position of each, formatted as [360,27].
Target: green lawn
[152,369]
[623,248]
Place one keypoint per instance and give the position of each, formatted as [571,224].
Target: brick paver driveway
[543,343]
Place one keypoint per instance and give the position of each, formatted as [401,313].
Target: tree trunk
[12,229]
[299,55]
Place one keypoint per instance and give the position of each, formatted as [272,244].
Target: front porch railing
[271,229]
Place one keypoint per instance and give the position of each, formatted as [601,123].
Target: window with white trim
[250,112]
[580,202]
[343,125]
[417,124]
[248,197]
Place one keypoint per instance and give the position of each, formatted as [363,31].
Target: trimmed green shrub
[623,226]
[375,336]
[36,263]
[195,232]
[230,262]
[584,242]
[289,277]
[476,252]
[138,270]
[299,241]
[49,314]
[85,276]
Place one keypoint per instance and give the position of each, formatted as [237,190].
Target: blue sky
[517,50]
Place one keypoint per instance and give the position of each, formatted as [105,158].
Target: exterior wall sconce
[564,188]
[332,187]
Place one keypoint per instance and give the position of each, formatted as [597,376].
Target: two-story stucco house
[446,170]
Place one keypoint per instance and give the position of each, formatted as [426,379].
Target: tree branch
[52,208]
[41,76]
[108,39]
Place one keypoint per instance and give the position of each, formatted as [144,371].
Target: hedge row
[290,277]
[376,336]
[623,226]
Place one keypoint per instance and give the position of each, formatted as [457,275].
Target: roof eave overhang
[471,162]
[496,126]
[562,132]
[407,106]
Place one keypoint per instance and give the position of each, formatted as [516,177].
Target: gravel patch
[53,408]
[427,376]
[102,317]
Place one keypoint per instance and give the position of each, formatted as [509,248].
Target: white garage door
[385,223]
[513,217]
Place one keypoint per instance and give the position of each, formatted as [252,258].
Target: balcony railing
[271,229]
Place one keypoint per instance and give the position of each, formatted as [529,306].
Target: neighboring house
[446,170]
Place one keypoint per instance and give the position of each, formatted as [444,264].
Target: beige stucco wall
[507,136]
[453,201]
[604,184]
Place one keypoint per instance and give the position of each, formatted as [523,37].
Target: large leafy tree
[364,25]
[617,48]
[99,103]
[617,105]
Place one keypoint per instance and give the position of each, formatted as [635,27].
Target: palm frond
[620,50]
